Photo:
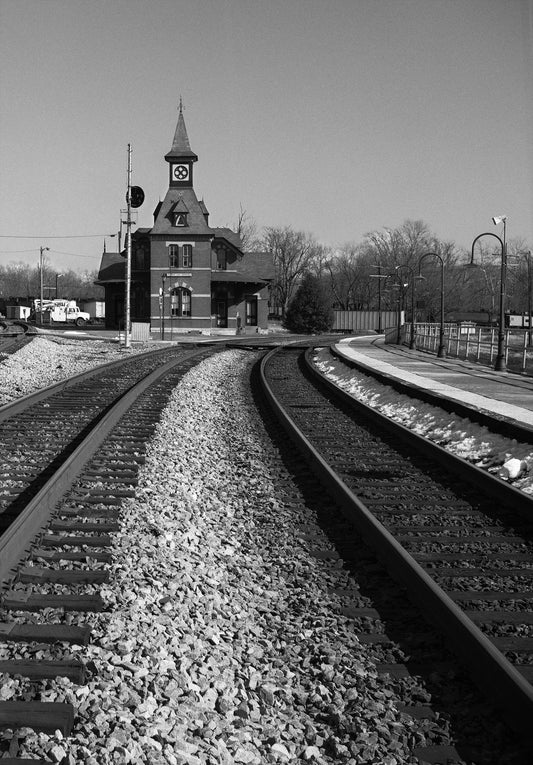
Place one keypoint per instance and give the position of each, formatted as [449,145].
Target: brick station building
[185,275]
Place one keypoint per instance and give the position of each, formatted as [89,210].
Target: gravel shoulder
[46,361]
[221,646]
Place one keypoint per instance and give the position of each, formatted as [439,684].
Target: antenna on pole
[127,307]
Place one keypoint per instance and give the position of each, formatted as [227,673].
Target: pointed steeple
[181,148]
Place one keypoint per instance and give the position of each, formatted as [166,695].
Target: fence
[474,343]
[352,321]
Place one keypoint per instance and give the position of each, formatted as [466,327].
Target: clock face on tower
[180,172]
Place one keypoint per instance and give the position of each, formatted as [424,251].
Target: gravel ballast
[204,657]
[47,360]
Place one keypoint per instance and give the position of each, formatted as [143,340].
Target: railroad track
[459,540]
[71,457]
[13,336]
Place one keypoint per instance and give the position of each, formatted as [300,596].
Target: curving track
[81,505]
[459,540]
[13,336]
[71,455]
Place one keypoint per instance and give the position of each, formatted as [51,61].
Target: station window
[187,256]
[251,310]
[180,219]
[180,302]
[221,259]
[174,255]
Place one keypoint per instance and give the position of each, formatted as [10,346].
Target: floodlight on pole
[497,219]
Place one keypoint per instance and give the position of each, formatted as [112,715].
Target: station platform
[502,395]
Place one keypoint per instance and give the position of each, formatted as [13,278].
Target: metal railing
[475,343]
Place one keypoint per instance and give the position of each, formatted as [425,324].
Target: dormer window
[180,219]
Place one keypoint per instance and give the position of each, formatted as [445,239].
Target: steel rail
[505,492]
[19,536]
[18,405]
[487,665]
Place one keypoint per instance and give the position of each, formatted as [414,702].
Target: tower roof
[181,148]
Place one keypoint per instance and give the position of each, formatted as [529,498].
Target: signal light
[136,196]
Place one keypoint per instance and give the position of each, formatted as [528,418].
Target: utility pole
[380,328]
[127,308]
[529,299]
[528,256]
[41,279]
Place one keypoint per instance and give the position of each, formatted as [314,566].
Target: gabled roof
[230,236]
[258,264]
[112,268]
[252,268]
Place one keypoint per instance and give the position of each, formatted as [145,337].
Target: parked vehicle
[520,320]
[60,311]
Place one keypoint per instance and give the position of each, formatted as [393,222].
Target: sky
[335,117]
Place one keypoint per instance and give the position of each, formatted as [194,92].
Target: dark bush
[310,309]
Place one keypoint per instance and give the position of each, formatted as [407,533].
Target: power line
[75,254]
[69,236]
[57,252]
[10,252]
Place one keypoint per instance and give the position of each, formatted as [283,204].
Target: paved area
[504,394]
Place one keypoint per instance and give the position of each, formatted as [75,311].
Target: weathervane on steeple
[181,148]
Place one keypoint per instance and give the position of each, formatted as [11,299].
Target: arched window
[174,255]
[180,302]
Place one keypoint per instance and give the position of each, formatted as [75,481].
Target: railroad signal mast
[134,198]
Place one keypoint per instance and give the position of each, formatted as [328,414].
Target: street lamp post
[399,287]
[41,278]
[500,365]
[381,276]
[57,280]
[163,280]
[403,286]
[441,352]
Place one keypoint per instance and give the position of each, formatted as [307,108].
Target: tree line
[364,276]
[344,277]
[22,281]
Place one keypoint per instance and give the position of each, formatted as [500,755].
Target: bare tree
[348,275]
[405,246]
[19,280]
[519,275]
[401,246]
[295,253]
[246,228]
[483,283]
